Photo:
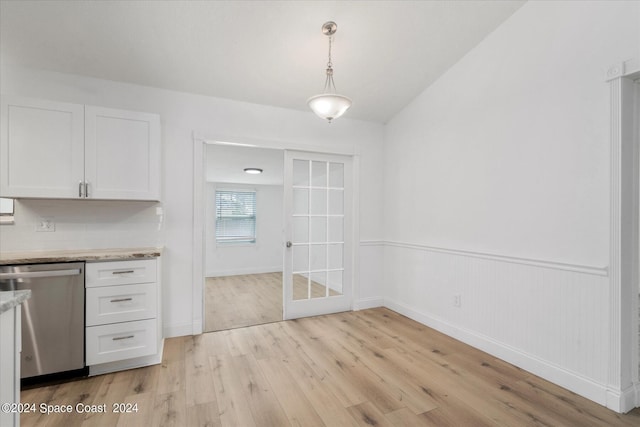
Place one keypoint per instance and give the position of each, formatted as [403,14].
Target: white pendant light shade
[329,106]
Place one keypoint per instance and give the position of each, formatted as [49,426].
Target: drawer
[120,272]
[120,341]
[123,303]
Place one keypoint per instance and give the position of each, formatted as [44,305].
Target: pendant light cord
[329,85]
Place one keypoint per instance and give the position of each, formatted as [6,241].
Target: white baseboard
[625,400]
[241,271]
[570,380]
[371,302]
[181,330]
[197,326]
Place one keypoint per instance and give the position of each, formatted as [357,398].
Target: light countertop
[88,255]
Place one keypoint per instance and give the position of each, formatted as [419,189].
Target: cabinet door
[122,158]
[41,148]
[9,364]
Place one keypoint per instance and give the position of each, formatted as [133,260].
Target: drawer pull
[123,272]
[121,299]
[123,338]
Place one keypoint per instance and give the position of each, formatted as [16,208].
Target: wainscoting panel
[368,289]
[551,320]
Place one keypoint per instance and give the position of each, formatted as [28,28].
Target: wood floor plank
[329,368]
[367,415]
[448,417]
[447,380]
[170,410]
[140,412]
[259,396]
[404,387]
[367,331]
[243,300]
[144,380]
[215,344]
[112,389]
[318,391]
[405,418]
[203,415]
[239,341]
[199,385]
[263,344]
[377,390]
[294,403]
[171,374]
[232,407]
[37,396]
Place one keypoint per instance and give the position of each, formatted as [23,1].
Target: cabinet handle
[123,272]
[122,338]
[121,299]
[86,189]
[80,194]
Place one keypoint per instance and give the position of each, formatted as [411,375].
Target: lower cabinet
[123,322]
[10,347]
[120,341]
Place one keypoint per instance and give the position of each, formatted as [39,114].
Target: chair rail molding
[555,265]
[623,392]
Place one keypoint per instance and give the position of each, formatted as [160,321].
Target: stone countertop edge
[10,299]
[88,255]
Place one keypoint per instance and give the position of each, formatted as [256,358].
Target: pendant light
[329,105]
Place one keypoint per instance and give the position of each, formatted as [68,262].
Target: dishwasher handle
[37,274]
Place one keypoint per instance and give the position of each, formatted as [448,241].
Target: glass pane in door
[318,205]
[317,275]
[318,284]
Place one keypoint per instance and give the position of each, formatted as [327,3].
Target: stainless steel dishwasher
[52,319]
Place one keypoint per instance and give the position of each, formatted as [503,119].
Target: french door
[318,234]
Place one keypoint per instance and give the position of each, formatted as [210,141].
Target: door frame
[199,206]
[623,384]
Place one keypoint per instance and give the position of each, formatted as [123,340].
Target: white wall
[497,190]
[262,257]
[81,224]
[181,115]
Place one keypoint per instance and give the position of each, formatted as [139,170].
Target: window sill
[235,245]
[8,220]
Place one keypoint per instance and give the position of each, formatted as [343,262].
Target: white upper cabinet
[42,148]
[122,152]
[59,150]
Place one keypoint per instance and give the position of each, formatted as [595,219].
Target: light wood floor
[251,299]
[244,300]
[367,368]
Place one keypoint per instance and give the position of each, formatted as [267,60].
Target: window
[235,216]
[6,210]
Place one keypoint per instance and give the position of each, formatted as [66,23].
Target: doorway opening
[243,236]
[340,281]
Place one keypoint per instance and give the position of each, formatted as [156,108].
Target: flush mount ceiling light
[253,171]
[329,105]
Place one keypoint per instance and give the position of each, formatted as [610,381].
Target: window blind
[235,216]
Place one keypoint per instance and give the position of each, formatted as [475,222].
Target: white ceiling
[226,164]
[265,52]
